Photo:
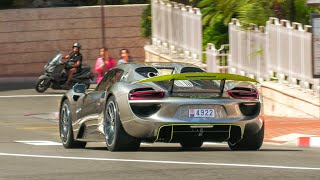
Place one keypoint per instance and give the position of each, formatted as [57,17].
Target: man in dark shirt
[74,61]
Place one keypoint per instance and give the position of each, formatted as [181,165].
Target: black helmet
[77,45]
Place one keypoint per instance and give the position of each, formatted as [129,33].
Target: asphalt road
[30,149]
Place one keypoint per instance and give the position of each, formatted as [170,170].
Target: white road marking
[26,96]
[162,162]
[290,137]
[40,143]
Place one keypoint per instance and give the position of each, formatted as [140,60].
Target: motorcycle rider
[74,62]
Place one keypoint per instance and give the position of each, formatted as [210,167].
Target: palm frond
[205,3]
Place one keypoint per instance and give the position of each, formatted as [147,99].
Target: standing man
[125,56]
[74,62]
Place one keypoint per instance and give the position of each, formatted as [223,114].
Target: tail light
[247,109]
[244,93]
[145,109]
[145,94]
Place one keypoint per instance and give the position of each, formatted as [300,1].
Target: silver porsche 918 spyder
[163,102]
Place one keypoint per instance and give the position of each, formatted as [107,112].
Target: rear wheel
[42,85]
[66,130]
[116,137]
[249,142]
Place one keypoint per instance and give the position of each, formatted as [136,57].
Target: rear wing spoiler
[197,76]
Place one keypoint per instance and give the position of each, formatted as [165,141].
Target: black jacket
[74,57]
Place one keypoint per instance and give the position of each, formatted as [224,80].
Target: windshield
[192,86]
[54,62]
[165,70]
[56,58]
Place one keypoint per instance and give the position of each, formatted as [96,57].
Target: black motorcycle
[55,75]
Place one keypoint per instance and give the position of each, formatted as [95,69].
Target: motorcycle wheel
[42,86]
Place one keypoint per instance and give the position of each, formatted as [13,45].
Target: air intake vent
[250,109]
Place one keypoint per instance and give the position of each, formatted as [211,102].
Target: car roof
[131,74]
[135,65]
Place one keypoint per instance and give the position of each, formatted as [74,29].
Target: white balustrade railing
[177,28]
[282,51]
[216,59]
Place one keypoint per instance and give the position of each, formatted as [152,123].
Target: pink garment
[111,63]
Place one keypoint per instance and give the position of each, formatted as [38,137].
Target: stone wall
[29,37]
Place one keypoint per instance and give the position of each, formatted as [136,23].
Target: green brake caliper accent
[230,125]
[171,134]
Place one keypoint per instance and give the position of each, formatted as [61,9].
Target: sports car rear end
[192,110]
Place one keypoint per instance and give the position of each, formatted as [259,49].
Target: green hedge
[146,22]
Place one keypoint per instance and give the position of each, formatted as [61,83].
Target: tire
[249,142]
[191,143]
[42,86]
[65,127]
[116,137]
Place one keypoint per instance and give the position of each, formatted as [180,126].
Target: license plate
[203,113]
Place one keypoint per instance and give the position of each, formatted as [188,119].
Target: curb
[308,142]
[17,79]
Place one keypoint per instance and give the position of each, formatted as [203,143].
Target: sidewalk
[14,83]
[292,116]
[285,101]
[303,132]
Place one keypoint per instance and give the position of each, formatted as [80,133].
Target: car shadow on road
[202,149]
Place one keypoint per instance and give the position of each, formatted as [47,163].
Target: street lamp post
[315,23]
[103,43]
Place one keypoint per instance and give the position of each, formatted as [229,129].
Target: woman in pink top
[104,63]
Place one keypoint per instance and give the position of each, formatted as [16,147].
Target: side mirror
[79,88]
[103,95]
